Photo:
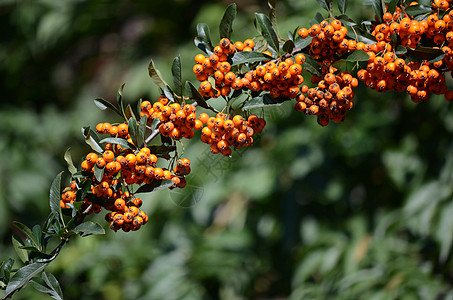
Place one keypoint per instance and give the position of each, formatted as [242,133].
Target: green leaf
[248,57]
[288,46]
[142,127]
[119,141]
[88,228]
[377,7]
[358,55]
[317,19]
[194,94]
[23,276]
[177,75]
[226,24]
[326,4]
[155,123]
[267,30]
[273,15]
[162,150]
[392,6]
[104,104]
[203,46]
[426,53]
[55,196]
[98,173]
[52,282]
[132,124]
[263,100]
[360,35]
[129,112]
[5,270]
[312,65]
[68,158]
[345,20]
[92,139]
[40,285]
[303,43]
[169,94]
[342,5]
[400,50]
[204,35]
[21,253]
[119,100]
[27,231]
[37,232]
[415,10]
[156,185]
[444,232]
[155,75]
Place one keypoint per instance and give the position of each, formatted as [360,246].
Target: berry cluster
[112,175]
[175,121]
[331,99]
[223,132]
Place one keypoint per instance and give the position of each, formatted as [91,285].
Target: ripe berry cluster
[112,175]
[223,132]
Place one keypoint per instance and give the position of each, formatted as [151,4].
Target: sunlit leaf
[156,185]
[262,100]
[155,75]
[92,139]
[226,24]
[55,196]
[88,228]
[104,104]
[21,253]
[204,35]
[177,75]
[119,141]
[248,57]
[267,30]
[23,276]
[303,43]
[28,232]
[129,112]
[358,55]
[68,158]
[342,5]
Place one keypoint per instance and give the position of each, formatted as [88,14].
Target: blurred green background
[358,210]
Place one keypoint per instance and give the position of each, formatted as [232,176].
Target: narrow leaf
[400,50]
[155,75]
[194,94]
[342,5]
[129,112]
[226,24]
[312,65]
[301,43]
[377,7]
[273,15]
[203,46]
[162,150]
[204,35]
[358,55]
[21,253]
[142,127]
[27,231]
[52,282]
[54,196]
[23,276]
[426,53]
[248,57]
[177,77]
[37,232]
[98,173]
[119,100]
[326,4]
[68,158]
[156,185]
[132,124]
[288,46]
[169,94]
[92,139]
[415,10]
[40,286]
[345,20]
[104,104]
[392,6]
[88,228]
[267,30]
[261,101]
[122,142]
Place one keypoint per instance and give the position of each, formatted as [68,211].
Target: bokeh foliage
[358,210]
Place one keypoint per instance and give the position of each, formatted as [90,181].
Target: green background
[357,210]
